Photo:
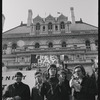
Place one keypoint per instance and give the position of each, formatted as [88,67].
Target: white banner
[9,78]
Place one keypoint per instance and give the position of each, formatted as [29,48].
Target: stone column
[53,28]
[32,30]
[46,28]
[8,51]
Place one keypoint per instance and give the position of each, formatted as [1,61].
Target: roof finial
[81,20]
[21,23]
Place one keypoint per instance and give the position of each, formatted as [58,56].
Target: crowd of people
[55,86]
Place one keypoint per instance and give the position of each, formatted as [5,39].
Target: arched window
[37,45]
[43,28]
[14,45]
[75,46]
[56,27]
[3,64]
[4,47]
[62,25]
[63,44]
[87,43]
[50,45]
[66,58]
[38,26]
[96,42]
[50,26]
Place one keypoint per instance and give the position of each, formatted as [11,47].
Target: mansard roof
[49,17]
[78,26]
[37,18]
[19,29]
[82,26]
[62,17]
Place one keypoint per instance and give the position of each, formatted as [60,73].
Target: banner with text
[9,78]
[44,60]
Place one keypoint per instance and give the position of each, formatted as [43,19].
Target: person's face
[78,73]
[52,71]
[38,78]
[62,75]
[18,78]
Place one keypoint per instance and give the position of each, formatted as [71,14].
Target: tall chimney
[29,20]
[3,20]
[72,15]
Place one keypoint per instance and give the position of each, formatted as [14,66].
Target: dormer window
[62,25]
[56,27]
[43,28]
[38,26]
[50,26]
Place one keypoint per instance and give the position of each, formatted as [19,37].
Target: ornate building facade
[44,40]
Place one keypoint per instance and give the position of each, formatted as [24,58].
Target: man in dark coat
[84,88]
[17,90]
[35,93]
[53,88]
[65,90]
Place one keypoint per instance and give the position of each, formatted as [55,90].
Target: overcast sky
[16,11]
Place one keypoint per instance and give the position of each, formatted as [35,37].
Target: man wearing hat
[17,90]
[35,93]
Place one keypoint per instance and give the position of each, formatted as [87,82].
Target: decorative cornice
[26,35]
